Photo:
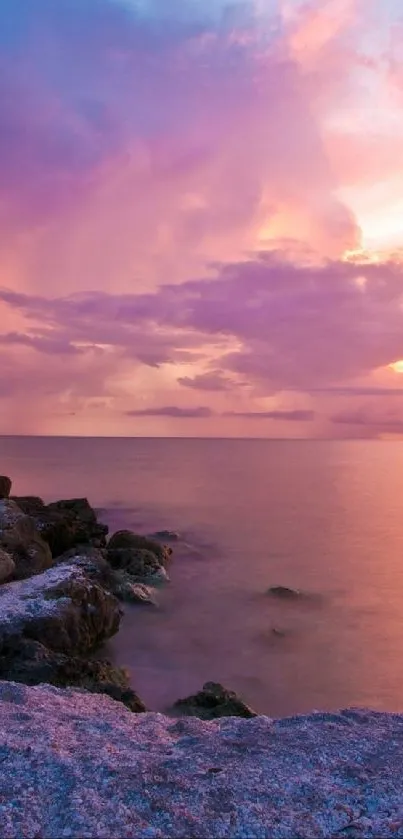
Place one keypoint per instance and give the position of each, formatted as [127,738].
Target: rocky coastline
[82,756]
[63,582]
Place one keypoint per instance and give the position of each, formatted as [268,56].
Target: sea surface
[323,517]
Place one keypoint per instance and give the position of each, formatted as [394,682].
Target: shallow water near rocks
[325,518]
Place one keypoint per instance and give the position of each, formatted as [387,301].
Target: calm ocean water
[326,517]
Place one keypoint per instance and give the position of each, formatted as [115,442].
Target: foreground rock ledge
[75,764]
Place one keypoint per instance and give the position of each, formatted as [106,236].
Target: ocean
[323,517]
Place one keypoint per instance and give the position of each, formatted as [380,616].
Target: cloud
[276,325]
[369,422]
[208,381]
[357,390]
[172,411]
[297,415]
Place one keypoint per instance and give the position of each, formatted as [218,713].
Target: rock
[279,633]
[284,592]
[77,764]
[20,538]
[169,535]
[139,563]
[65,524]
[212,702]
[65,608]
[7,566]
[80,507]
[29,504]
[32,663]
[125,539]
[5,486]
[125,589]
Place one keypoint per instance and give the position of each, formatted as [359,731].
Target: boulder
[20,538]
[125,589]
[65,524]
[5,486]
[138,563]
[214,701]
[32,664]
[284,592]
[65,608]
[7,566]
[125,539]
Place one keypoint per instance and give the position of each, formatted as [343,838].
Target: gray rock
[78,762]
[214,701]
[65,608]
[5,486]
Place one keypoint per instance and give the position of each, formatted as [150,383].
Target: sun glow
[397,366]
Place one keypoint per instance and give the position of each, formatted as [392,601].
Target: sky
[201,218]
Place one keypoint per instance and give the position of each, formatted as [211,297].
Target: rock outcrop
[65,608]
[77,764]
[141,558]
[214,701]
[126,540]
[32,663]
[64,524]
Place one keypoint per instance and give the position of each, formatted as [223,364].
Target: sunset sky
[201,218]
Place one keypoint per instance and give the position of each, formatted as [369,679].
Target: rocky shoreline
[62,585]
[80,754]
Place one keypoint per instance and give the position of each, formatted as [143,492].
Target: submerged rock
[169,535]
[5,486]
[141,565]
[125,540]
[20,538]
[65,608]
[214,701]
[65,524]
[125,589]
[32,663]
[284,592]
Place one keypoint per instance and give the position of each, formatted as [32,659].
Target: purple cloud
[370,422]
[297,415]
[172,411]
[208,381]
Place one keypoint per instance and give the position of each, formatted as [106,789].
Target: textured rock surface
[126,540]
[77,764]
[34,664]
[19,536]
[64,608]
[64,524]
[212,702]
[125,589]
[138,563]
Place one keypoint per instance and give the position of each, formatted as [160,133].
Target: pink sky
[201,218]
